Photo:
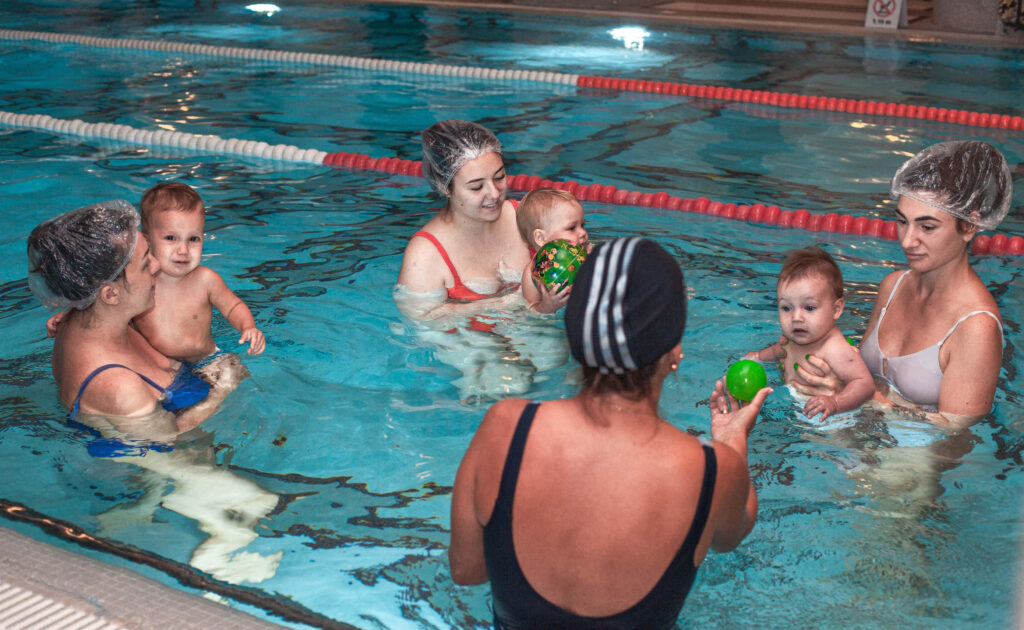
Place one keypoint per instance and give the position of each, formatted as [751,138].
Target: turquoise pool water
[325,479]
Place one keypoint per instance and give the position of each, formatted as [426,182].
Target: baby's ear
[539,237]
[837,308]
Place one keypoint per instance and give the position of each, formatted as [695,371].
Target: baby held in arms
[545,215]
[178,325]
[810,300]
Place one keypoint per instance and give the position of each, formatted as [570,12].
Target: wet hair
[809,261]
[448,145]
[967,179]
[71,256]
[169,197]
[634,384]
[534,209]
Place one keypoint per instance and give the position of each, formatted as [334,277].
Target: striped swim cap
[628,306]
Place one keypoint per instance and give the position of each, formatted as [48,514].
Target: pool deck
[45,587]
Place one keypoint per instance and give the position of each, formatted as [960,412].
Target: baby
[173,217]
[810,298]
[544,215]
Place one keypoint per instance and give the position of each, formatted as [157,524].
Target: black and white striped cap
[628,306]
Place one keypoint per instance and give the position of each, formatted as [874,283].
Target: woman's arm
[971,375]
[223,374]
[735,497]
[476,490]
[466,548]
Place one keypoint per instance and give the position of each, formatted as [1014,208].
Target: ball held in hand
[557,262]
[744,379]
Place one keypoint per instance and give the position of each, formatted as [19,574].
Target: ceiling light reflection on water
[632,37]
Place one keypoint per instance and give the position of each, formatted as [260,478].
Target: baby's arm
[774,352]
[234,310]
[850,369]
[539,298]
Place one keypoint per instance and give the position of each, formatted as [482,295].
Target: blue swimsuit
[187,389]
[518,605]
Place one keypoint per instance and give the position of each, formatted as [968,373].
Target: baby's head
[174,217]
[810,295]
[548,214]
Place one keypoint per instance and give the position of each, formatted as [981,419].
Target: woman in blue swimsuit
[934,341]
[95,261]
[593,512]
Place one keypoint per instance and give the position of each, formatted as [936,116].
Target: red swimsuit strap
[444,255]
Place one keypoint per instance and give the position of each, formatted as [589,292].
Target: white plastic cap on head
[72,255]
[448,145]
[967,179]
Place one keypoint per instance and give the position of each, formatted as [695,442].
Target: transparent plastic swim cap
[968,179]
[72,255]
[448,145]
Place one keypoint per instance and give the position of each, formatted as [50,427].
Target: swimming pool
[348,435]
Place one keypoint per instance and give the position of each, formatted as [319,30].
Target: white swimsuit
[916,377]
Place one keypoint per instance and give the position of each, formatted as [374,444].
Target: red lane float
[996,244]
[805,101]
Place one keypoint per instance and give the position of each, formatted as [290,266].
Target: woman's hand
[815,377]
[731,421]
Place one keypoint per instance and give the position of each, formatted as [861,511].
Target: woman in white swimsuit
[934,341]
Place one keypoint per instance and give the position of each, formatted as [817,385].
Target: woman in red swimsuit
[471,250]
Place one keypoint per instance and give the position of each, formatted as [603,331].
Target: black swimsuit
[518,605]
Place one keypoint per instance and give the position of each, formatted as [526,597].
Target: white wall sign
[886,14]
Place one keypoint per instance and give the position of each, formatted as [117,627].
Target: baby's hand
[255,338]
[551,300]
[55,321]
[825,405]
[752,356]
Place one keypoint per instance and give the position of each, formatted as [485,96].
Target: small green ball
[744,379]
[557,262]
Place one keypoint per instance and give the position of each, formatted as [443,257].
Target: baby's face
[176,239]
[565,221]
[807,309]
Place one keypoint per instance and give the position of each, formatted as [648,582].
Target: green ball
[557,262]
[744,379]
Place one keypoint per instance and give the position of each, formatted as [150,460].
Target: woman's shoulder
[890,280]
[423,265]
[493,436]
[970,296]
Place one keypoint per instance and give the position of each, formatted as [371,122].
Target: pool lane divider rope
[713,92]
[802,219]
[164,137]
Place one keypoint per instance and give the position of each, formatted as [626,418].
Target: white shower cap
[967,179]
[448,145]
[72,255]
